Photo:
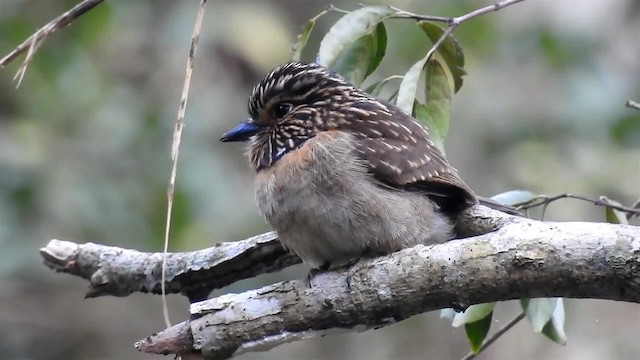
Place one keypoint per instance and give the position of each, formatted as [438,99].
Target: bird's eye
[281,110]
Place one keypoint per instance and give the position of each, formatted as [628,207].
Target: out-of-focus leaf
[612,215]
[93,24]
[554,329]
[473,313]
[514,197]
[539,311]
[450,51]
[557,52]
[435,114]
[626,131]
[375,88]
[477,331]
[349,28]
[379,48]
[303,37]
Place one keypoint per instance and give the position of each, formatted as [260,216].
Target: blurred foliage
[85,142]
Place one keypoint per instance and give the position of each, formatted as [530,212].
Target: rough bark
[520,258]
[119,272]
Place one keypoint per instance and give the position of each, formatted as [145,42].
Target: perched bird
[341,174]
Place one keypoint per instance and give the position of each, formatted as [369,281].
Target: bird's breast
[321,169]
[326,206]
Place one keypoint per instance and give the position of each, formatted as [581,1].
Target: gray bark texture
[502,257]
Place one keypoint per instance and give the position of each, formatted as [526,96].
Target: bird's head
[292,104]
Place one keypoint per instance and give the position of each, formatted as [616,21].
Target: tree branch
[632,104]
[34,41]
[522,259]
[120,272]
[514,258]
[544,200]
[456,21]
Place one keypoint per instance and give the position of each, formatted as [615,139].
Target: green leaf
[353,62]
[302,40]
[93,25]
[477,321]
[303,37]
[379,48]
[375,88]
[435,114]
[554,329]
[450,51]
[473,313]
[362,56]
[539,311]
[614,216]
[514,197]
[626,130]
[477,331]
[349,28]
[409,86]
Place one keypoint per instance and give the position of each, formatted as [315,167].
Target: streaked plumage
[341,173]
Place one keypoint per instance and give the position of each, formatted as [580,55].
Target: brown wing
[400,153]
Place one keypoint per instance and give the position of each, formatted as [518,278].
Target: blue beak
[242,132]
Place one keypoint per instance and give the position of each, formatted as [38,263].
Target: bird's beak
[242,132]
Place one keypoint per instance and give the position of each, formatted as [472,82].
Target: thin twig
[455,22]
[175,148]
[402,14]
[34,41]
[488,341]
[333,8]
[545,200]
[632,104]
[495,7]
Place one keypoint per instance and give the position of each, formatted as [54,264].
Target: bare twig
[401,14]
[34,41]
[175,147]
[632,104]
[333,8]
[456,21]
[545,200]
[491,339]
[453,24]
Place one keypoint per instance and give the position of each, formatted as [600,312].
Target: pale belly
[332,212]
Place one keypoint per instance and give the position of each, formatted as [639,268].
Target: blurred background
[85,144]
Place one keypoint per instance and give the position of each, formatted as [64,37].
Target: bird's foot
[313,272]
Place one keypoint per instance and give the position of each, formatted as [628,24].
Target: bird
[341,174]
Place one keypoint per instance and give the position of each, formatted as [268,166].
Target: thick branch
[523,259]
[120,272]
